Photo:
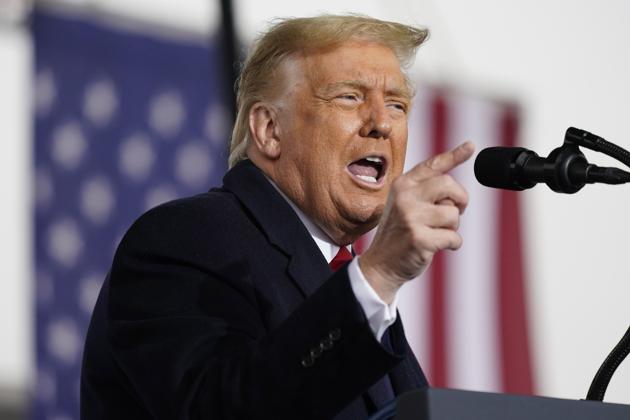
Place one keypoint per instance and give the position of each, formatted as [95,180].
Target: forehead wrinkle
[399,92]
[359,84]
[310,66]
[363,86]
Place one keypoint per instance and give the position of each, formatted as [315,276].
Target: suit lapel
[283,228]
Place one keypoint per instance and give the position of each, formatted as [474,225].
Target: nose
[377,122]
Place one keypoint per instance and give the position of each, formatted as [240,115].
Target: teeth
[367,178]
[374,159]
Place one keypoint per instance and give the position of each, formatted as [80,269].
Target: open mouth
[370,169]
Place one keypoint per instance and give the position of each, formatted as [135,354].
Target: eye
[349,96]
[399,106]
[348,100]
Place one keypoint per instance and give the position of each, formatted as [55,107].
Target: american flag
[123,122]
[474,332]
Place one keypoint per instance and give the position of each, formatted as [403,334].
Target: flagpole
[230,55]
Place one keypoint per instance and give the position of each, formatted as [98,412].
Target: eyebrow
[361,85]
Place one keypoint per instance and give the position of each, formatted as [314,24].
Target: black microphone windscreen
[495,167]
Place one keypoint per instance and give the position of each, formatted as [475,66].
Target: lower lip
[371,185]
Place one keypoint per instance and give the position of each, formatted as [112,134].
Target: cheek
[399,150]
[327,146]
[347,123]
[339,123]
[314,158]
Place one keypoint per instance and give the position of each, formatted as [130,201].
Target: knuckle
[450,184]
[438,162]
[434,215]
[456,241]
[451,217]
[442,182]
[418,239]
[433,162]
[401,201]
[445,215]
[399,185]
[409,221]
[447,180]
[453,214]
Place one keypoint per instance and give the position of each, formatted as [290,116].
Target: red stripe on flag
[437,291]
[516,361]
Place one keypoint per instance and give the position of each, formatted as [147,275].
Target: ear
[263,127]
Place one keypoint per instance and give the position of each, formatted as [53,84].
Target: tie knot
[342,257]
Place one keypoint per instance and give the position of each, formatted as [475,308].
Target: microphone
[565,170]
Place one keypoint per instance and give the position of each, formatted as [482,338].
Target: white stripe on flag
[473,329]
[413,301]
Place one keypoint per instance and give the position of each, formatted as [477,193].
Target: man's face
[342,125]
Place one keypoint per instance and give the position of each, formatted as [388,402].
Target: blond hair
[289,36]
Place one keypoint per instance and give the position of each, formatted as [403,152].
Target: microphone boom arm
[605,373]
[591,141]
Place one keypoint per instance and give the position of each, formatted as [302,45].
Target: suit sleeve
[185,327]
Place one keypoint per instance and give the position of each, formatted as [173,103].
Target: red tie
[342,257]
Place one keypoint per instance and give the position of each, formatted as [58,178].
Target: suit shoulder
[213,207]
[207,215]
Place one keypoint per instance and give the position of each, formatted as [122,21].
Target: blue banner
[123,121]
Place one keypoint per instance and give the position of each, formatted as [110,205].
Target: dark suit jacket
[222,306]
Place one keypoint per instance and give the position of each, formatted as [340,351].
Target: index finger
[444,162]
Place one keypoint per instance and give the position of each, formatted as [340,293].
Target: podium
[448,404]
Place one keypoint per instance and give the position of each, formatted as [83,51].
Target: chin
[354,224]
[366,215]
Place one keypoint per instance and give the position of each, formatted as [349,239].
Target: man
[224,305]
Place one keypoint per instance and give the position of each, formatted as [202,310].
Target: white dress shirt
[379,314]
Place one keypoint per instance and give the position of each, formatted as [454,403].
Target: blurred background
[109,107]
